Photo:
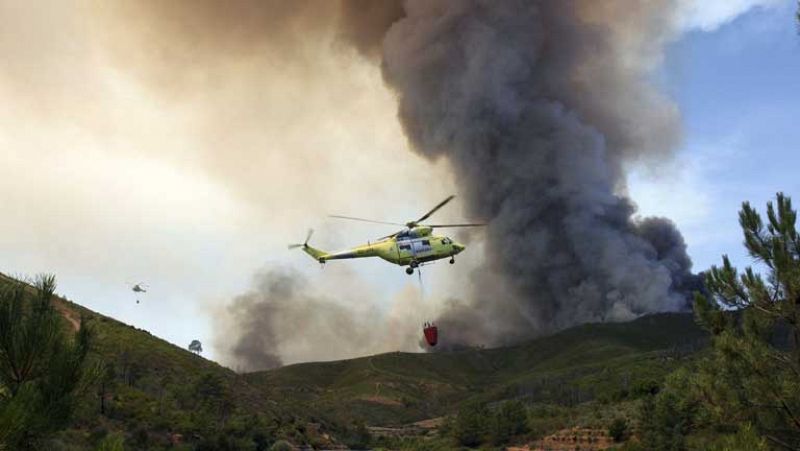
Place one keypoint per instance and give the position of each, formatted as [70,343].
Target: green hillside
[157,395]
[597,362]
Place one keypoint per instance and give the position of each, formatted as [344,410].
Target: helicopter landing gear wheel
[409,271]
[452,260]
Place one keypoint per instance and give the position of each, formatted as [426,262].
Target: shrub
[618,429]
[509,420]
[471,425]
[112,442]
[281,445]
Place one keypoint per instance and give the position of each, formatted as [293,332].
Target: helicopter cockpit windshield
[409,234]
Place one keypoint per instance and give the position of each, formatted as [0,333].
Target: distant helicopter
[411,246]
[138,288]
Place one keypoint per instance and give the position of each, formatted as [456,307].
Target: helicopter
[412,246]
[138,288]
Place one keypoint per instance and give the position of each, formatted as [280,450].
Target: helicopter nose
[458,247]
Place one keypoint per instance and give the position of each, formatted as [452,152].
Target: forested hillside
[150,394]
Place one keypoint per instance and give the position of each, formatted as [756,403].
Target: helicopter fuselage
[411,247]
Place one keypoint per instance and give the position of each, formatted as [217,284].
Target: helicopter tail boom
[322,256]
[315,253]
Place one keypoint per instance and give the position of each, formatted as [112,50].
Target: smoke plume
[283,315]
[538,106]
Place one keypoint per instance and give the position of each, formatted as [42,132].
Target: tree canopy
[42,367]
[753,374]
[196,347]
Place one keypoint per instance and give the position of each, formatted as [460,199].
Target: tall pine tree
[42,367]
[753,374]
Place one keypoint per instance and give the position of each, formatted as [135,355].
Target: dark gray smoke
[281,311]
[538,105]
[283,315]
[254,340]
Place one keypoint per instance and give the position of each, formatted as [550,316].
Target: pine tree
[753,374]
[42,369]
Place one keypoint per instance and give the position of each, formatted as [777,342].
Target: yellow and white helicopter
[411,246]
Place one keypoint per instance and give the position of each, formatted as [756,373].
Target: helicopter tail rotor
[317,254]
[305,243]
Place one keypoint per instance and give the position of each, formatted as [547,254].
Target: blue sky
[738,88]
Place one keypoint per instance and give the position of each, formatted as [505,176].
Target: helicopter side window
[445,240]
[405,246]
[426,242]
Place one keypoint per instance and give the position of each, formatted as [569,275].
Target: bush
[281,445]
[618,429]
[746,438]
[357,437]
[645,387]
[666,418]
[510,419]
[113,442]
[471,425]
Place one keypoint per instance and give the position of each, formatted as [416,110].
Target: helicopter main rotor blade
[388,236]
[428,214]
[441,226]
[365,220]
